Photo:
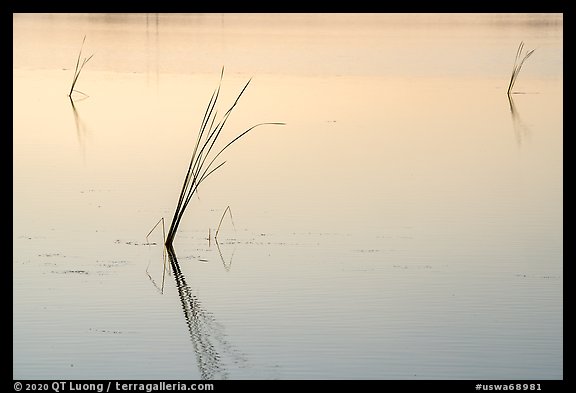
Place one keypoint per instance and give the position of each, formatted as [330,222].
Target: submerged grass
[78,70]
[518,63]
[204,155]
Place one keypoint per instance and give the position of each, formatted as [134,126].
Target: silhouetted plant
[204,155]
[78,70]
[518,63]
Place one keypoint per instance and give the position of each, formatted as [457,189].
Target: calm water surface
[405,223]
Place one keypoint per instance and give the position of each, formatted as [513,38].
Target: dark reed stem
[203,160]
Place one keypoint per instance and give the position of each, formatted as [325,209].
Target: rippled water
[405,223]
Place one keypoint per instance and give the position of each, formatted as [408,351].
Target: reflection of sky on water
[393,227]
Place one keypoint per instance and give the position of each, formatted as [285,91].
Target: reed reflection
[521,130]
[227,264]
[205,332]
[81,128]
[156,49]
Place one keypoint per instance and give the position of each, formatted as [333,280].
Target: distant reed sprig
[222,219]
[78,70]
[203,161]
[518,63]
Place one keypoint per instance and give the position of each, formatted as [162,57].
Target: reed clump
[518,63]
[78,70]
[204,160]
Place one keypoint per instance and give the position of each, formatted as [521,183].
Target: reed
[154,227]
[203,161]
[78,70]
[164,255]
[222,219]
[518,63]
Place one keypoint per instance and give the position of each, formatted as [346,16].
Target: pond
[404,223]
